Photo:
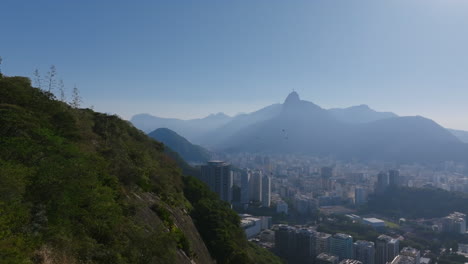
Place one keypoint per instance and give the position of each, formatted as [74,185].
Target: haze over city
[191,59]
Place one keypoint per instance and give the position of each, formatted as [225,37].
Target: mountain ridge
[300,126]
[189,152]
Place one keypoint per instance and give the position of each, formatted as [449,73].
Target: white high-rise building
[245,187]
[256,186]
[266,191]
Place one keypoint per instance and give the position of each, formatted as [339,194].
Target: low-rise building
[400,259]
[454,223]
[252,226]
[374,222]
[462,249]
[350,261]
[411,252]
[325,258]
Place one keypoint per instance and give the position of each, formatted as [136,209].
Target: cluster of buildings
[308,186]
[386,180]
[255,187]
[306,245]
[454,223]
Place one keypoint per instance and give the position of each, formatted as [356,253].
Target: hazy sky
[190,58]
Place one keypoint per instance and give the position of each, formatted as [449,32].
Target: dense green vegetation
[342,224]
[64,176]
[72,182]
[188,151]
[417,203]
[220,227]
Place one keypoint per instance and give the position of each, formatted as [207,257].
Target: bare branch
[76,99]
[51,78]
[62,91]
[37,79]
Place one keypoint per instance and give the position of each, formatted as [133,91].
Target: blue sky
[187,59]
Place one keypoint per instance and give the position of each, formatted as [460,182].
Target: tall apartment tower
[218,176]
[394,178]
[325,174]
[364,251]
[341,245]
[245,187]
[382,182]
[387,248]
[306,248]
[286,242]
[322,242]
[256,186]
[360,195]
[266,191]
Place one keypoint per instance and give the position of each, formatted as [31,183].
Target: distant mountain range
[299,126]
[188,128]
[189,152]
[359,114]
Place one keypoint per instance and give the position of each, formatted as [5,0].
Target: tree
[76,99]
[51,77]
[62,91]
[1,66]
[37,79]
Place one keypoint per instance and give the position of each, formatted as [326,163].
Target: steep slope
[190,129]
[74,184]
[412,138]
[78,186]
[460,134]
[189,152]
[303,127]
[359,114]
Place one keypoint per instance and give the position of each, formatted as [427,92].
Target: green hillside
[78,186]
[188,151]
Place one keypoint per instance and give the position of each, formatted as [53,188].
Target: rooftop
[385,238]
[373,220]
[342,236]
[327,257]
[409,251]
[350,261]
[403,260]
[364,243]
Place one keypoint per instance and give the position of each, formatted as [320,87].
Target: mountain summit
[293,98]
